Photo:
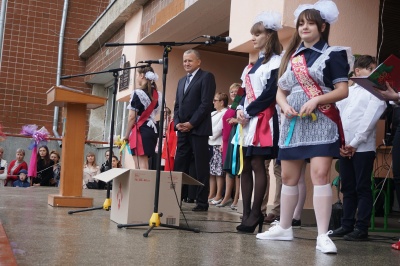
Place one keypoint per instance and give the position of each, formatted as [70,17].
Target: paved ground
[43,235]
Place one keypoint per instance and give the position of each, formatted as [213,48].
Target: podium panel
[133,195]
[75,103]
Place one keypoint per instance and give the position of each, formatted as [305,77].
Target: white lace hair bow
[270,20]
[327,8]
[151,76]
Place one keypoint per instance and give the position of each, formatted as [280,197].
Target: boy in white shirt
[359,113]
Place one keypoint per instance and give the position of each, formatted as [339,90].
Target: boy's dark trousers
[355,173]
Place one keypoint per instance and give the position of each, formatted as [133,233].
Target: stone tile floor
[43,235]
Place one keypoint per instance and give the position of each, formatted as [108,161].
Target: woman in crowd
[15,166]
[141,130]
[314,78]
[116,163]
[44,168]
[216,173]
[55,157]
[232,181]
[257,115]
[90,170]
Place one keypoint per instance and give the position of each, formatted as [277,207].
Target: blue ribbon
[236,138]
[291,129]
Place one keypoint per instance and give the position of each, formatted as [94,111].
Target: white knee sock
[289,198]
[322,207]
[302,198]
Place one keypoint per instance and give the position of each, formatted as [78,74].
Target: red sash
[263,130]
[135,139]
[312,89]
[249,89]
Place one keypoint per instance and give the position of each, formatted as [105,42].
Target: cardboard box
[132,197]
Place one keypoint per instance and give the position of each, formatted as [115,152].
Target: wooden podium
[75,103]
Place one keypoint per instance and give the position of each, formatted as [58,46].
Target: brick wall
[30,54]
[105,56]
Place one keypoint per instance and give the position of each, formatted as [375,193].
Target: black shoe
[340,232]
[357,235]
[250,229]
[199,208]
[188,200]
[296,223]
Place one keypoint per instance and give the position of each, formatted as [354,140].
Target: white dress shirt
[360,112]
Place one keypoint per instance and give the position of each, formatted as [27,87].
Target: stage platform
[39,234]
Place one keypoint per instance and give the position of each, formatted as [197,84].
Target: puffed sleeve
[136,104]
[337,67]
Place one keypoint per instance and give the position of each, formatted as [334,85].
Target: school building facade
[29,62]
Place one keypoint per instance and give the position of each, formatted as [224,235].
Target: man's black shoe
[189,200]
[340,232]
[357,235]
[200,209]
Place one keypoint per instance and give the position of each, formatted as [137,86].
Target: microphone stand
[155,217]
[107,203]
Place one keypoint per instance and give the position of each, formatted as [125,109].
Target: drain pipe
[59,66]
[2,26]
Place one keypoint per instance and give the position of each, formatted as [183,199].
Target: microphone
[218,38]
[112,44]
[158,61]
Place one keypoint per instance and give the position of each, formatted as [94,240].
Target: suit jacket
[195,105]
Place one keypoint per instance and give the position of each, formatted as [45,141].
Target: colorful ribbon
[122,144]
[293,124]
[238,140]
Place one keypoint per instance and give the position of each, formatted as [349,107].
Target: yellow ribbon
[120,143]
[292,125]
[313,116]
[240,149]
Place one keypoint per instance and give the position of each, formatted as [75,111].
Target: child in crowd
[258,117]
[313,76]
[359,112]
[22,181]
[55,157]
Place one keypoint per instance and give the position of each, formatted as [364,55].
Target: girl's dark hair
[119,165]
[46,158]
[151,85]
[310,15]
[273,46]
[364,61]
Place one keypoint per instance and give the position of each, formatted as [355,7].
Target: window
[120,116]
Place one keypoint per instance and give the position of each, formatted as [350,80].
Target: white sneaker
[325,244]
[276,222]
[276,233]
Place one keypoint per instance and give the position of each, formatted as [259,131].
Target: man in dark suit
[192,119]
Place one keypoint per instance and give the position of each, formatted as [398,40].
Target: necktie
[187,82]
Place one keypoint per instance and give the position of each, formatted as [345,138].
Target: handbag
[92,185]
